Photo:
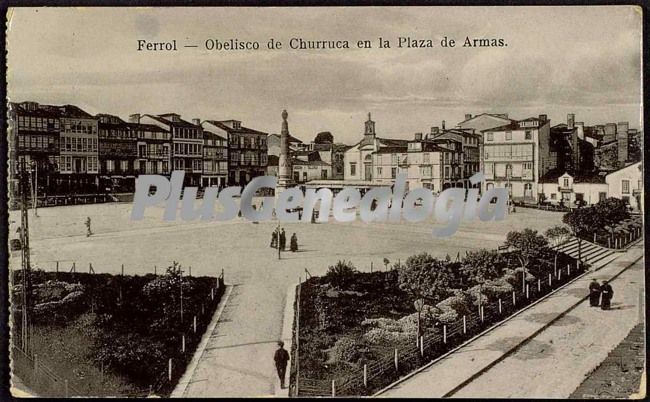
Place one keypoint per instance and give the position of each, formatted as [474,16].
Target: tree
[557,234]
[480,266]
[324,137]
[528,245]
[582,222]
[612,210]
[425,278]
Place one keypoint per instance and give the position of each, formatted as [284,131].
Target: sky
[559,60]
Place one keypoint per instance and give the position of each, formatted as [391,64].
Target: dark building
[117,154]
[186,141]
[247,150]
[215,160]
[58,143]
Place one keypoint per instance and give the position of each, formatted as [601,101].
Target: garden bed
[101,334]
[352,325]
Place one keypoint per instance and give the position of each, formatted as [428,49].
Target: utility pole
[35,188]
[25,264]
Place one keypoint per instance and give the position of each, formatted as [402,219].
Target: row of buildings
[75,152]
[530,157]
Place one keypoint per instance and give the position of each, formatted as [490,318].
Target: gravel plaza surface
[238,358]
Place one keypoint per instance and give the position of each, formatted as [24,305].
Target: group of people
[600,294]
[279,239]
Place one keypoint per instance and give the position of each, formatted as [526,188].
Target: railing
[43,380]
[407,358]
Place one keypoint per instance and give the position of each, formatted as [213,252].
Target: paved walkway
[459,374]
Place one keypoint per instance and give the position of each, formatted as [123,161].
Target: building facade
[247,150]
[186,142]
[515,156]
[215,160]
[117,154]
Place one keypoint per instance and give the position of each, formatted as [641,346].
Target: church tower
[369,134]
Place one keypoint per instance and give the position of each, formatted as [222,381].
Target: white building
[516,155]
[570,190]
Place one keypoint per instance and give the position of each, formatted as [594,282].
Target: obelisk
[284,162]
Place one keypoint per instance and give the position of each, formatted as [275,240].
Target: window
[529,135]
[393,173]
[602,196]
[124,165]
[110,165]
[508,135]
[528,165]
[353,169]
[490,136]
[566,182]
[425,157]
[553,196]
[625,186]
[378,171]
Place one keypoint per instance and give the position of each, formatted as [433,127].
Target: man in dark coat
[293,245]
[274,239]
[283,240]
[594,293]
[607,293]
[281,358]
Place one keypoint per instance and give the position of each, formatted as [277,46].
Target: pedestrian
[281,358]
[274,239]
[88,228]
[594,293]
[294,243]
[606,295]
[283,240]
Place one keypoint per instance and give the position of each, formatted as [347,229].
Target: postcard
[326,202]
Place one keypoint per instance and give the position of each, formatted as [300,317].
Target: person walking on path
[274,239]
[283,240]
[281,358]
[607,294]
[88,228]
[594,293]
[294,243]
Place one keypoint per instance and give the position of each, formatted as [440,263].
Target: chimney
[418,136]
[196,121]
[570,120]
[435,130]
[443,124]
[468,116]
[134,118]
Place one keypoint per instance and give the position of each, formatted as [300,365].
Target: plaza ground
[238,359]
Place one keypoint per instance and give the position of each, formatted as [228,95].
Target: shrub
[341,274]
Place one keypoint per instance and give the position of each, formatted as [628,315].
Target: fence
[406,358]
[618,239]
[42,380]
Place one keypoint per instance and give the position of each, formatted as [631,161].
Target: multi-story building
[247,150]
[33,141]
[465,143]
[117,154]
[186,141]
[153,147]
[435,163]
[215,160]
[516,155]
[79,149]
